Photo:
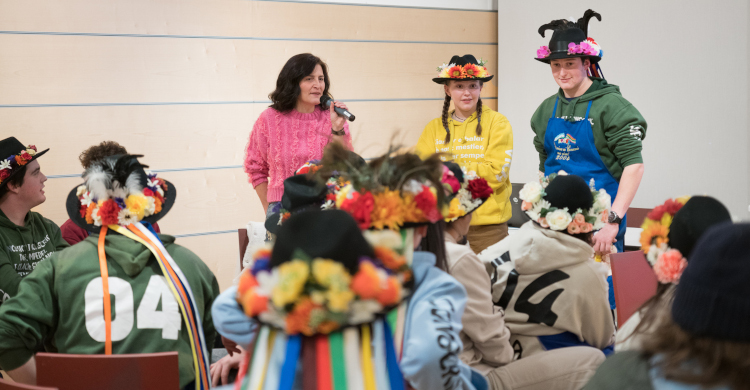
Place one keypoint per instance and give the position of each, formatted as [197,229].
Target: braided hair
[446,106]
[479,116]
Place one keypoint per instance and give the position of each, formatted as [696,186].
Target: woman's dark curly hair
[284,97]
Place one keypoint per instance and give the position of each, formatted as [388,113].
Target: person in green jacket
[26,238]
[587,128]
[159,293]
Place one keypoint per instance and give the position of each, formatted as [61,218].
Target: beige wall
[684,65]
[183,82]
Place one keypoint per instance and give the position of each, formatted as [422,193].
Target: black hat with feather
[118,190]
[570,40]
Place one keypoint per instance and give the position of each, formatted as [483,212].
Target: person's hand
[220,370]
[230,345]
[605,237]
[337,121]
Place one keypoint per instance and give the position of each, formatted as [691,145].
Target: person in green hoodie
[26,238]
[159,294]
[587,128]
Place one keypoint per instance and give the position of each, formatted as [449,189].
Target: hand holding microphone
[340,108]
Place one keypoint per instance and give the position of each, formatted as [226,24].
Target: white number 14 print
[168,319]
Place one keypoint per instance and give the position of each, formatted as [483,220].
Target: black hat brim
[443,80]
[34,157]
[560,56]
[73,206]
[272,223]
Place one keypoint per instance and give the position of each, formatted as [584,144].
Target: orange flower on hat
[471,70]
[390,259]
[254,303]
[456,72]
[654,231]
[412,213]
[391,294]
[20,160]
[669,266]
[298,320]
[366,283]
[387,210]
[89,211]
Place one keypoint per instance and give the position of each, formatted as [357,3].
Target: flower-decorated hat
[570,40]
[564,202]
[117,190]
[671,229]
[326,296]
[13,156]
[390,192]
[466,191]
[463,68]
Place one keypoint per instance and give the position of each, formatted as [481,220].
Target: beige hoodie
[484,336]
[548,284]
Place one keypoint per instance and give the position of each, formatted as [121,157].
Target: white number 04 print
[168,319]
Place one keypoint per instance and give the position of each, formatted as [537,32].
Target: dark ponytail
[446,106]
[479,116]
[434,242]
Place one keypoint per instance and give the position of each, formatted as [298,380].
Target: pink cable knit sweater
[280,143]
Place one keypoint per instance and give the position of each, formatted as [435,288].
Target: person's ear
[445,87]
[12,187]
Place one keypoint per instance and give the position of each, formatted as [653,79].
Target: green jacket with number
[61,302]
[23,247]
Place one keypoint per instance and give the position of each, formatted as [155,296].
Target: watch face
[612,217]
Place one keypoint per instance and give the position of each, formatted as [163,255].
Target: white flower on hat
[387,238]
[412,186]
[562,173]
[531,192]
[329,204]
[536,212]
[95,216]
[4,164]
[602,202]
[151,207]
[125,217]
[79,191]
[559,219]
[86,198]
[364,311]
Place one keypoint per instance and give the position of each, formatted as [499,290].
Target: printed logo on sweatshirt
[29,255]
[442,315]
[4,296]
[637,132]
[578,119]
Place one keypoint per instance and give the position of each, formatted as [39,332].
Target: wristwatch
[338,132]
[614,218]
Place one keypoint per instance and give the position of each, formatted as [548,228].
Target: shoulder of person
[622,370]
[458,254]
[39,219]
[493,115]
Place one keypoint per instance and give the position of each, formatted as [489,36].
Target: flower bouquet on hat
[465,191]
[14,156]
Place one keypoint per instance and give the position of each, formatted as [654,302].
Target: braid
[446,106]
[479,117]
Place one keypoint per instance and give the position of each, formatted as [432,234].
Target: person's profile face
[569,73]
[32,189]
[312,87]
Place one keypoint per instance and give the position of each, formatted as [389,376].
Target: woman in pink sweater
[294,129]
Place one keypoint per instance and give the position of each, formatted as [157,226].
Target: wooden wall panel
[219,251]
[242,18]
[82,69]
[193,136]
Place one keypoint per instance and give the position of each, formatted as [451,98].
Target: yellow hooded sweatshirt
[489,155]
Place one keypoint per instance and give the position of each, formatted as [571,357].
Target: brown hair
[434,242]
[693,359]
[447,105]
[98,152]
[284,97]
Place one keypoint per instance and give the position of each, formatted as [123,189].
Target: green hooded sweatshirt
[61,302]
[23,247]
[618,127]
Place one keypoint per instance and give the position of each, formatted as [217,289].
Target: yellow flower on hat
[137,204]
[292,278]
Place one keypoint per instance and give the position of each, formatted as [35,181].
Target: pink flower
[586,227]
[526,205]
[542,52]
[588,49]
[543,222]
[579,219]
[669,266]
[574,49]
[450,180]
[574,229]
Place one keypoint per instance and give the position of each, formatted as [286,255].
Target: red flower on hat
[360,207]
[670,207]
[450,180]
[4,174]
[479,188]
[25,155]
[108,212]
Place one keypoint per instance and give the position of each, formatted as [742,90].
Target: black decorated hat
[466,191]
[711,299]
[118,190]
[14,156]
[570,40]
[300,193]
[569,191]
[692,220]
[465,68]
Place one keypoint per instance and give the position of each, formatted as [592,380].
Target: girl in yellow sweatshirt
[476,138]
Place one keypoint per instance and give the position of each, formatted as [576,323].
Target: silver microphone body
[326,102]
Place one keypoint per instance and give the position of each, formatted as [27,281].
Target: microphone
[326,102]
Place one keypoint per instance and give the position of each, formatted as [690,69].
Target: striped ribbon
[180,288]
[105,292]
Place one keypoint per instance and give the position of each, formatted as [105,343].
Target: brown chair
[148,371]
[636,217]
[7,385]
[244,242]
[633,281]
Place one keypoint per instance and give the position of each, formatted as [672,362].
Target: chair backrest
[7,385]
[519,216]
[634,282]
[636,217]
[244,242]
[114,372]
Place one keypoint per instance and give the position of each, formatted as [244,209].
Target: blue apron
[570,147]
